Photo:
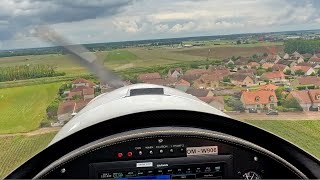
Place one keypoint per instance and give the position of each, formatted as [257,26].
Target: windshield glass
[259,62]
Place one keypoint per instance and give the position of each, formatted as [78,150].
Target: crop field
[304,133]
[23,108]
[229,51]
[14,150]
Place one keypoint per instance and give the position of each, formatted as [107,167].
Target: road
[282,116]
[35,132]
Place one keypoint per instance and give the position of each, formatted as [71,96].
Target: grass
[23,108]
[304,133]
[15,150]
[120,55]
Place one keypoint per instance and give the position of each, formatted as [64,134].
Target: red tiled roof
[80,88]
[89,91]
[269,87]
[272,75]
[308,80]
[196,71]
[74,93]
[259,97]
[68,106]
[211,77]
[279,67]
[314,58]
[149,76]
[197,92]
[314,94]
[267,65]
[301,96]
[183,82]
[81,80]
[253,64]
[302,68]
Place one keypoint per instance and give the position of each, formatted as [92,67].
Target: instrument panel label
[213,150]
[145,164]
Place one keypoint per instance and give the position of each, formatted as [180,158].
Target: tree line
[27,72]
[302,46]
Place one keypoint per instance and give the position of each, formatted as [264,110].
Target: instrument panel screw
[255,158]
[160,140]
[63,170]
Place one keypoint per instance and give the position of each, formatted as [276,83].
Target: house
[253,65]
[200,92]
[307,99]
[259,100]
[307,55]
[243,80]
[296,55]
[267,65]
[175,73]
[306,81]
[196,72]
[170,82]
[82,82]
[314,60]
[83,92]
[88,94]
[148,76]
[66,109]
[241,62]
[288,63]
[227,61]
[280,67]
[286,56]
[307,70]
[275,76]
[271,59]
[221,73]
[251,72]
[207,81]
[268,87]
[182,85]
[214,101]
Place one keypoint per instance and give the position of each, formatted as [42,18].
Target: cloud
[18,15]
[85,21]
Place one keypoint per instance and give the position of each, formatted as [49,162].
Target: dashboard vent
[146,91]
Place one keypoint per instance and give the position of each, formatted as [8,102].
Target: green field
[14,150]
[23,108]
[304,133]
[121,55]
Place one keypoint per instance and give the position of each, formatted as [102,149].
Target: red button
[129,154]
[120,155]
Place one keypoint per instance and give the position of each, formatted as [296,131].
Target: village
[269,83]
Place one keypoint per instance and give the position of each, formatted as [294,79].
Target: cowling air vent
[146,91]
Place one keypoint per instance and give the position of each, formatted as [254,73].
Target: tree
[76,97]
[193,65]
[239,41]
[265,54]
[226,79]
[299,72]
[287,72]
[235,103]
[312,74]
[318,72]
[255,56]
[269,69]
[292,103]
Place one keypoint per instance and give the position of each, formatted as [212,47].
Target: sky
[90,21]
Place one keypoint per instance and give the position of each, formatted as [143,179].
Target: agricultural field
[23,108]
[17,149]
[228,51]
[304,133]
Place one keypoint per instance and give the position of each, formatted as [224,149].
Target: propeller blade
[81,55]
